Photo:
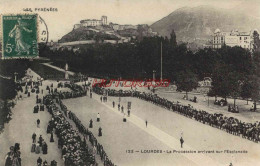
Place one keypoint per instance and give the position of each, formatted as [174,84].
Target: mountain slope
[200,22]
[84,33]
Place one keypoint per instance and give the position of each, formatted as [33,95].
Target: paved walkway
[21,128]
[162,136]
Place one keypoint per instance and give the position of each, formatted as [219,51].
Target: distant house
[233,38]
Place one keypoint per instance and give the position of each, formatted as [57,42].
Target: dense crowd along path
[250,131]
[74,150]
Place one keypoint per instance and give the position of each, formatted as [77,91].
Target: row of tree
[8,88]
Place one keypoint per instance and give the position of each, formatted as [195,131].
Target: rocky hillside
[198,23]
[85,33]
[108,33]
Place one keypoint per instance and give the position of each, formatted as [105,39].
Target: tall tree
[247,88]
[173,40]
[256,41]
[186,81]
[255,94]
[234,84]
[220,80]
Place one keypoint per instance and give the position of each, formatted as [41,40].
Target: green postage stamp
[19,36]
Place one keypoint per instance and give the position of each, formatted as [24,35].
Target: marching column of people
[74,152]
[77,89]
[231,125]
[89,136]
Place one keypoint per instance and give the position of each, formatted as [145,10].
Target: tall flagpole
[161,60]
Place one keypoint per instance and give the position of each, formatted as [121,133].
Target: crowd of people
[77,91]
[40,162]
[13,157]
[98,148]
[74,152]
[32,87]
[231,125]
[89,135]
[40,146]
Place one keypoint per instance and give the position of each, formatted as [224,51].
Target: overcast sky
[71,12]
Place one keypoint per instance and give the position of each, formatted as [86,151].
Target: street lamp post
[208,100]
[161,60]
[154,72]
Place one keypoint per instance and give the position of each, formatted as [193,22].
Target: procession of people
[231,125]
[74,153]
[73,147]
[72,142]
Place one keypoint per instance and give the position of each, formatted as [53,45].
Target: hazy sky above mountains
[70,12]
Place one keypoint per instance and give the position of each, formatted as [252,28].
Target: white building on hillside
[92,22]
[233,38]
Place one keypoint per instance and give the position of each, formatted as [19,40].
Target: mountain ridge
[199,23]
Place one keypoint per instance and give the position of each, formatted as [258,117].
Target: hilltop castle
[91,22]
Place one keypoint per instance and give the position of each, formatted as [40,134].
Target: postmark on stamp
[19,34]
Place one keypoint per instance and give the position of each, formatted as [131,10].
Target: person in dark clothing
[100,132]
[16,147]
[45,163]
[42,107]
[195,99]
[146,122]
[53,163]
[229,108]
[182,141]
[8,160]
[44,148]
[49,128]
[34,138]
[38,123]
[90,123]
[35,109]
[40,140]
[39,161]
[51,139]
[113,104]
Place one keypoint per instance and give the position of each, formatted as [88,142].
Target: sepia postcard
[129,83]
